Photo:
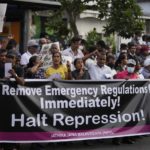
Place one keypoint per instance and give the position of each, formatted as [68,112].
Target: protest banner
[54,111]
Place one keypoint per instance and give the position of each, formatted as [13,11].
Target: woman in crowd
[80,73]
[121,62]
[58,70]
[33,69]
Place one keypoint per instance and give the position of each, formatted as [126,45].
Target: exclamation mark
[142,114]
[118,101]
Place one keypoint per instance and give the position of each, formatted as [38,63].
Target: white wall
[87,24]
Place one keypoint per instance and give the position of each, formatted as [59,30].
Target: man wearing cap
[32,50]
[130,72]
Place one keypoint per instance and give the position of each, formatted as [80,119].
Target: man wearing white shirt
[100,71]
[74,51]
[32,50]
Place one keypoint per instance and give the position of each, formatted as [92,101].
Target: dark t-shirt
[85,76]
[2,70]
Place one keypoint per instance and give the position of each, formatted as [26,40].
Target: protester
[33,69]
[3,54]
[121,62]
[54,48]
[58,70]
[101,46]
[100,71]
[80,73]
[132,52]
[110,61]
[42,41]
[137,38]
[130,72]
[74,50]
[32,50]
[123,49]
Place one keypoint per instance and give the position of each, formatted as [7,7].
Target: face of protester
[79,64]
[33,49]
[132,50]
[130,68]
[37,61]
[56,59]
[75,45]
[124,61]
[101,60]
[54,48]
[11,59]
[3,57]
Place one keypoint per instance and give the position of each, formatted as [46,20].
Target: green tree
[92,37]
[70,8]
[123,16]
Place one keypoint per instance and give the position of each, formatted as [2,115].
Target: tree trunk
[73,26]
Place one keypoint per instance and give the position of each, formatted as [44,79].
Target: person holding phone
[16,71]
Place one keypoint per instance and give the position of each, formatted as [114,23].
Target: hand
[40,63]
[12,72]
[95,52]
[68,66]
[81,72]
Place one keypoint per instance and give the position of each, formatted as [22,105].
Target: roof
[34,4]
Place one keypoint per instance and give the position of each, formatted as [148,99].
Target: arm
[68,73]
[35,68]
[19,80]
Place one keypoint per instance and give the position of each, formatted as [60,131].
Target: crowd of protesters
[98,62]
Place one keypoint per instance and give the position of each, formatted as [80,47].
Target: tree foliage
[123,16]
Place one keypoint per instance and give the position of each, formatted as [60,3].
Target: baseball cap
[131,61]
[32,43]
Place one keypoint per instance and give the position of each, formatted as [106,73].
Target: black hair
[130,44]
[31,61]
[3,51]
[11,44]
[75,39]
[75,61]
[101,43]
[59,55]
[123,46]
[91,49]
[121,57]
